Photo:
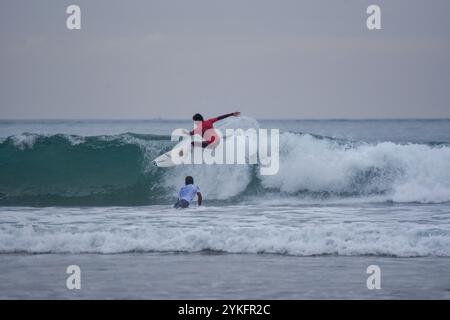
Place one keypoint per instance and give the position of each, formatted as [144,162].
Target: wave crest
[116,170]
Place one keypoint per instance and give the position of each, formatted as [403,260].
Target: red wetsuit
[212,137]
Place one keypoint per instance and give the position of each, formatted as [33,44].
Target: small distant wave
[330,239]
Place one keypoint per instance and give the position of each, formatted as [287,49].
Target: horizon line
[188,119]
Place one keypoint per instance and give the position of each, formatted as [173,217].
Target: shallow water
[221,276]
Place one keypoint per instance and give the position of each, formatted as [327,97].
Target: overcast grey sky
[268,59]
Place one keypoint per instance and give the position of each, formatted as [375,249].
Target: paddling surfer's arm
[200,198]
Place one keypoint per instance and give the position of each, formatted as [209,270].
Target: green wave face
[70,170]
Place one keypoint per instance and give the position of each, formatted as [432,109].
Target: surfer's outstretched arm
[236,114]
[200,198]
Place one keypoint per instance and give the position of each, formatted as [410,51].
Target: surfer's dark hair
[197,117]
[189,180]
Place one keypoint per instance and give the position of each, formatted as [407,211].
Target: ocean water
[349,193]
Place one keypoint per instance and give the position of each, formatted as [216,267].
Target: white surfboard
[182,148]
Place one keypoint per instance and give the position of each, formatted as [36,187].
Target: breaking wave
[69,170]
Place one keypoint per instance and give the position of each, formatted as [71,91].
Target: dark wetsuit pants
[181,204]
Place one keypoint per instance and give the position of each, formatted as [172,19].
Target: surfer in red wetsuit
[205,128]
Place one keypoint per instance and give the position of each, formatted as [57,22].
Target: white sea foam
[344,239]
[406,173]
[75,140]
[414,230]
[379,172]
[24,141]
[219,182]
